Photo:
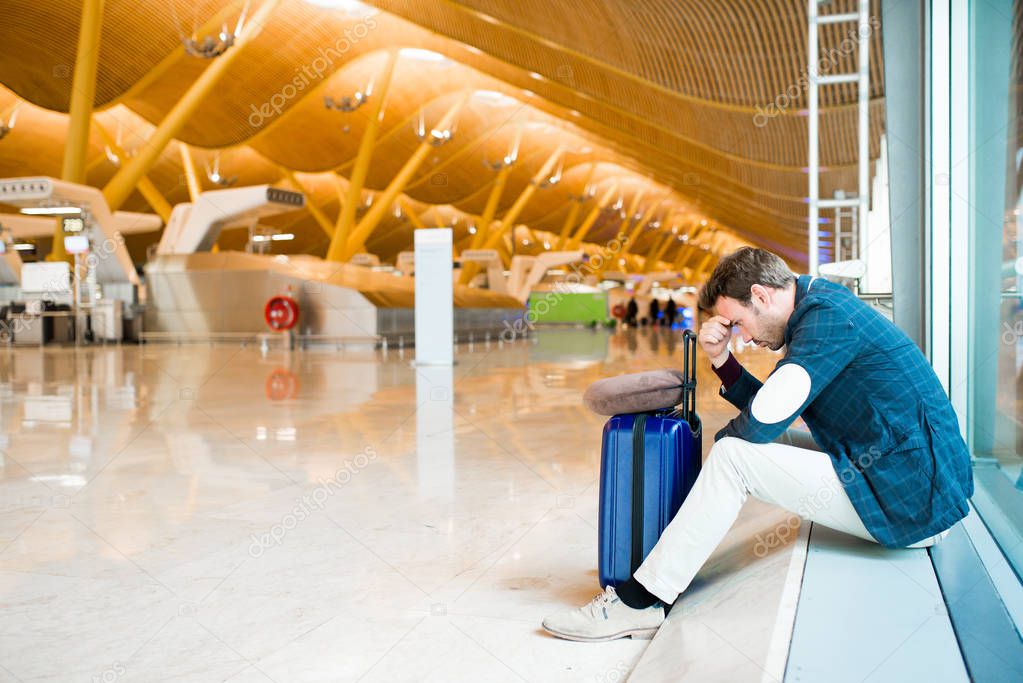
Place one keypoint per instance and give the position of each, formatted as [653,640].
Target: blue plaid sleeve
[824,341]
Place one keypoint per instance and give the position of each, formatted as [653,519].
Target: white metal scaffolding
[861,202]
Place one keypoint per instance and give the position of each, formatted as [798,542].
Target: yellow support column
[684,259]
[573,212]
[155,199]
[83,92]
[125,180]
[321,218]
[469,270]
[704,268]
[633,206]
[357,179]
[654,256]
[711,255]
[490,208]
[512,215]
[625,221]
[191,177]
[146,188]
[630,239]
[385,199]
[191,181]
[681,256]
[570,219]
[496,192]
[685,251]
[591,218]
[633,235]
[670,259]
[416,222]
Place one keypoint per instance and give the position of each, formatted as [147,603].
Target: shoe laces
[600,602]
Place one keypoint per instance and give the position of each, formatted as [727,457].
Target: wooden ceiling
[664,97]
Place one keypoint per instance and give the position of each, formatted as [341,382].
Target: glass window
[995,414]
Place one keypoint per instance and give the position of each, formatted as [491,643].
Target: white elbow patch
[782,395]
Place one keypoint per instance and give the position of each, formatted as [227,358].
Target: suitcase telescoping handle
[688,408]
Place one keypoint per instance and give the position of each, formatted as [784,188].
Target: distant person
[885,441]
[631,310]
[655,311]
[670,312]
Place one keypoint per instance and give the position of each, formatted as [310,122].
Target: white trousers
[791,473]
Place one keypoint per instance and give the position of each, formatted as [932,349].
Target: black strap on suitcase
[638,488]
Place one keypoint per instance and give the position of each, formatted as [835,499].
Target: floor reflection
[404,506]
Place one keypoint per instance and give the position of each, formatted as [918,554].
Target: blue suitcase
[648,464]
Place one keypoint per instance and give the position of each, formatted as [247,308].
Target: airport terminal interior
[300,303]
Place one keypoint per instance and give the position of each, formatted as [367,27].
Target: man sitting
[885,439]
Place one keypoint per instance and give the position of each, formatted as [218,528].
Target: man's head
[755,290]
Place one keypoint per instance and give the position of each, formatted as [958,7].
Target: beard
[772,330]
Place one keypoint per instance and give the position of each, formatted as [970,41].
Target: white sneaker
[606,617]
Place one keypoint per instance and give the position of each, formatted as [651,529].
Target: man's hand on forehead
[714,336]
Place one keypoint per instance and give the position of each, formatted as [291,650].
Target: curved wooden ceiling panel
[701,100]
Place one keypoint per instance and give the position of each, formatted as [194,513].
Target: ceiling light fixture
[350,7]
[492,97]
[276,237]
[551,181]
[210,47]
[6,128]
[348,104]
[435,137]
[424,55]
[213,173]
[51,211]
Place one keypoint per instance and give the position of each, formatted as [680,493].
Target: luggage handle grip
[688,410]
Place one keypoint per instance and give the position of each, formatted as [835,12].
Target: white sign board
[435,309]
[50,277]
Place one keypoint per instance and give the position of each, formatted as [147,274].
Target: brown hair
[736,273]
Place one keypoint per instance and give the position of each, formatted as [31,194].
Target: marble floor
[214,513]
